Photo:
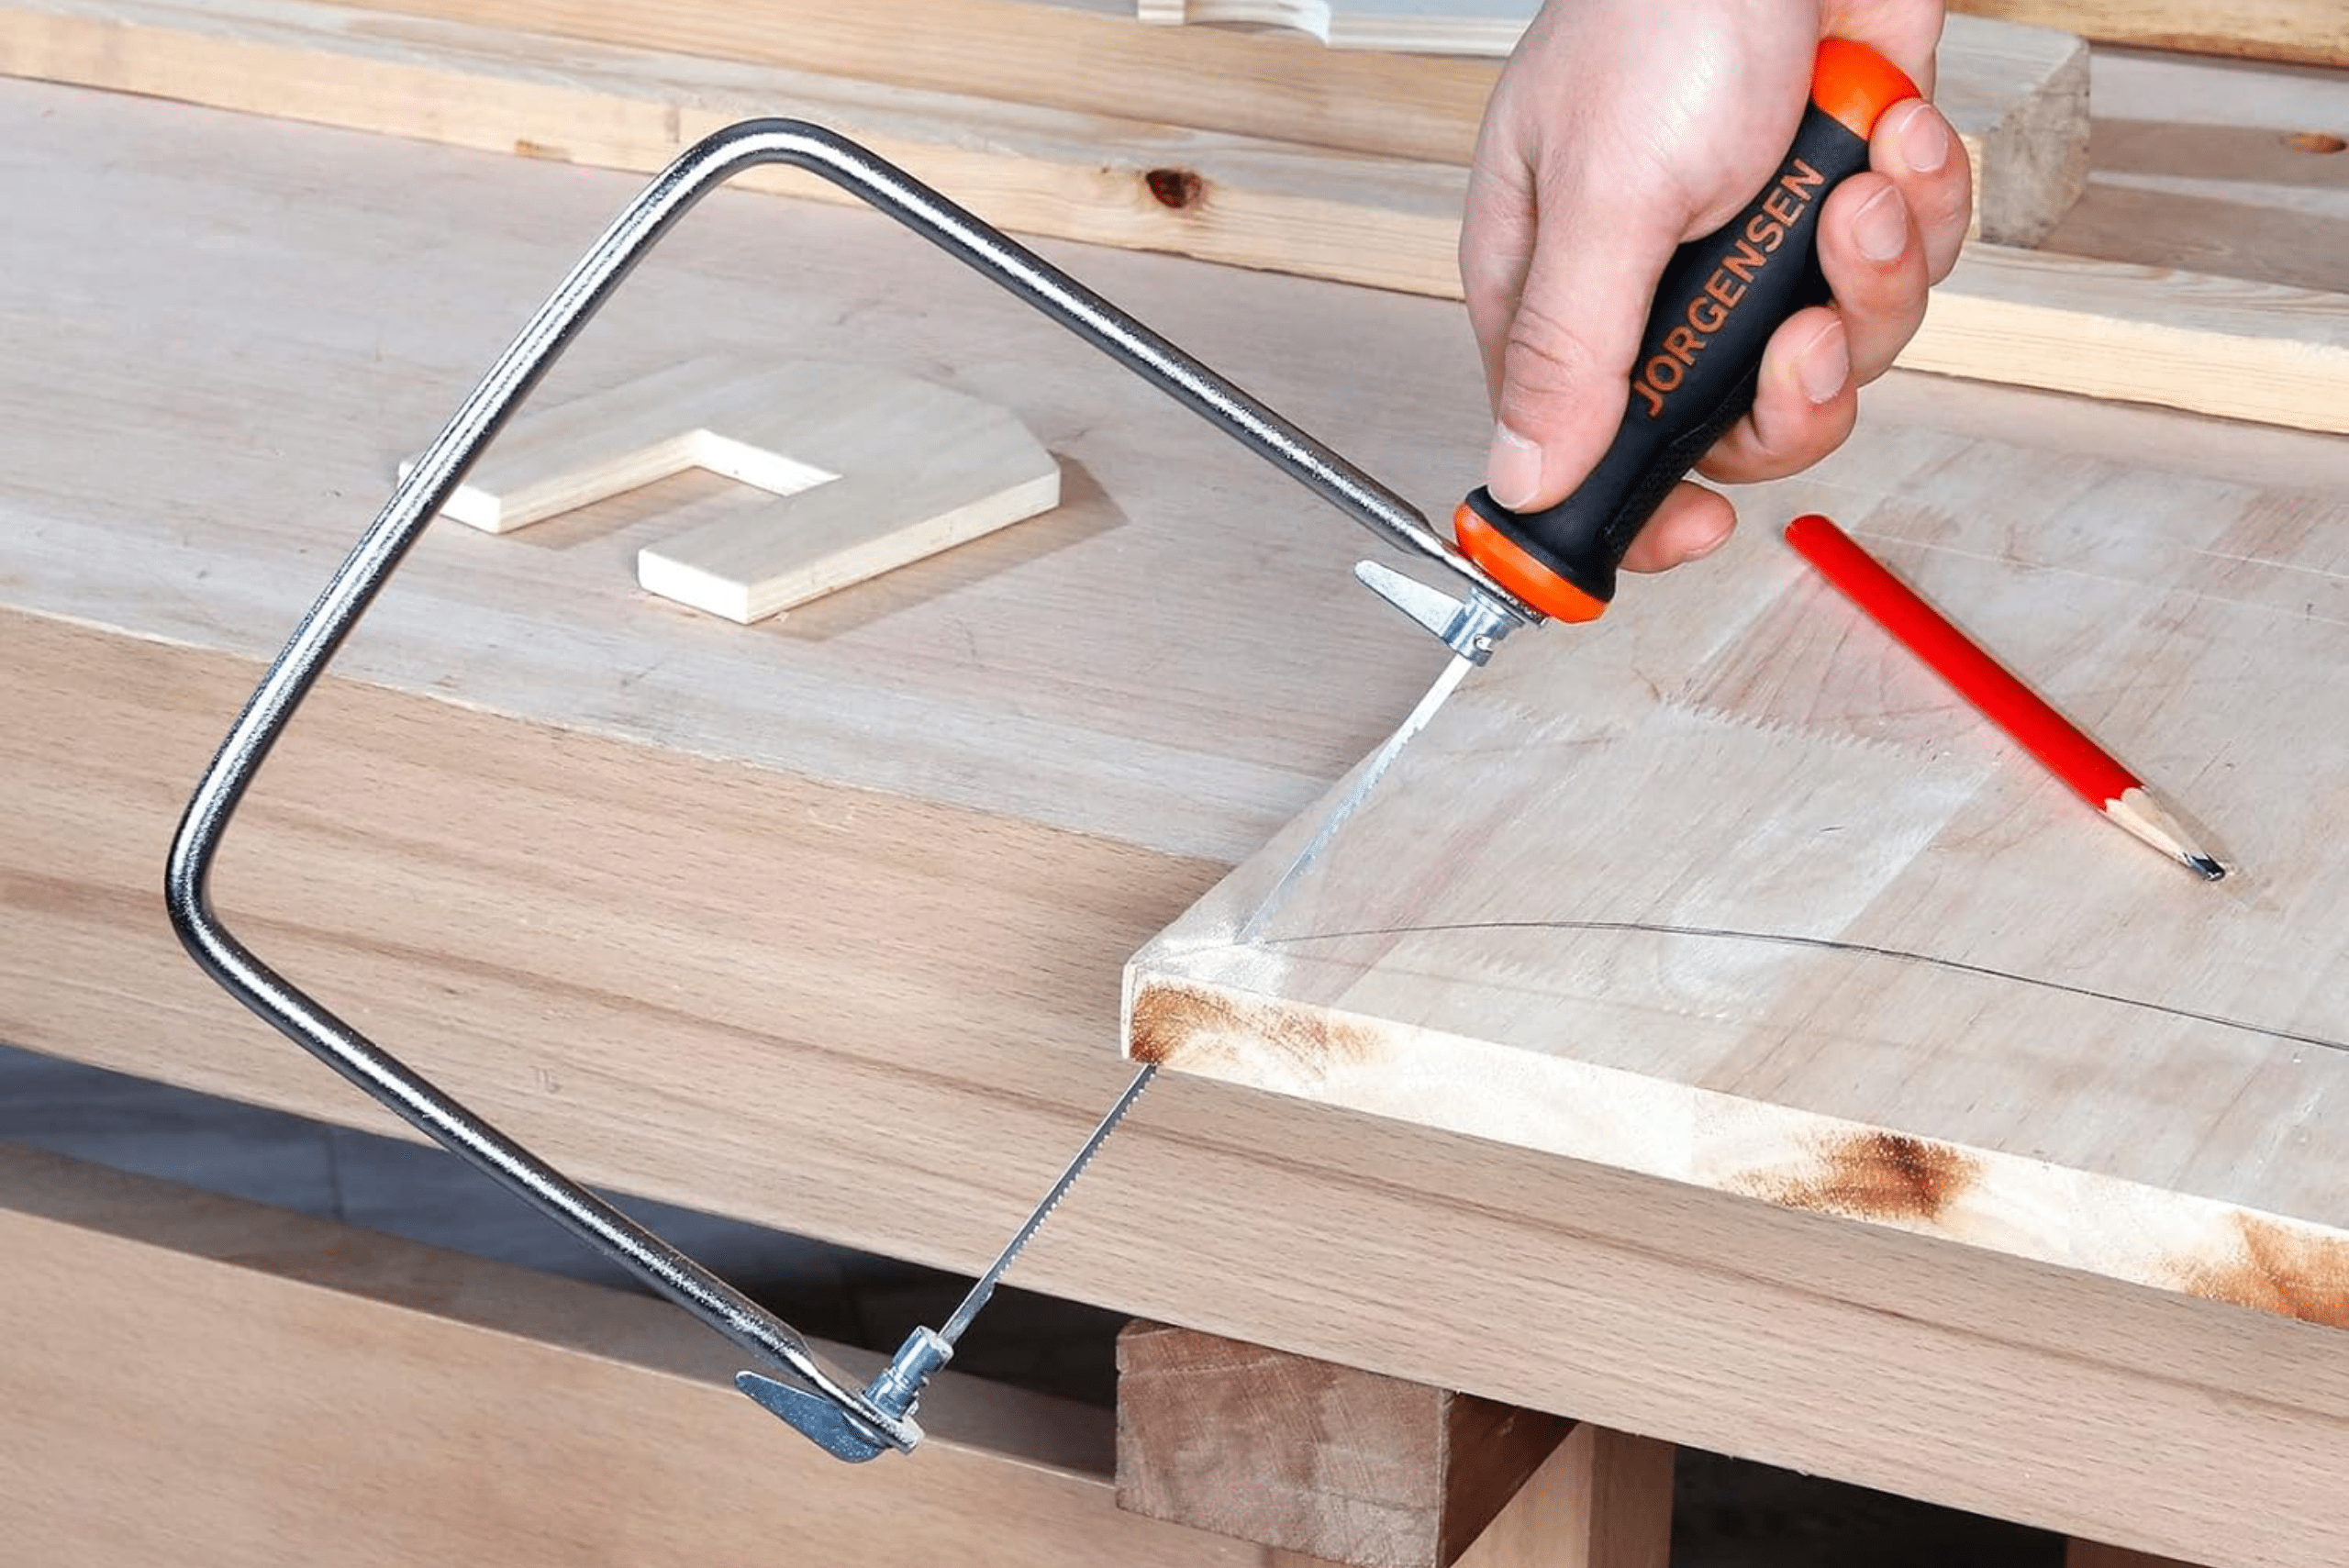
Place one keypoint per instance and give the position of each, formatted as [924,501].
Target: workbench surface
[820,923]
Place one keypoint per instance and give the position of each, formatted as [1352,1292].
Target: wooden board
[866,470]
[1086,56]
[842,954]
[2215,167]
[2313,32]
[1316,1458]
[423,1406]
[2017,96]
[1603,1500]
[1106,177]
[1732,892]
[2234,348]
[1467,27]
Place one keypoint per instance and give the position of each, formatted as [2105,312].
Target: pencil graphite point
[2211,870]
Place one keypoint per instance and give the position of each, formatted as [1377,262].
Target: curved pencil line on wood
[1820,944]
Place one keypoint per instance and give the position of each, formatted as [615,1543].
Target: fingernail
[1882,226]
[1826,364]
[1924,141]
[1706,549]
[1513,472]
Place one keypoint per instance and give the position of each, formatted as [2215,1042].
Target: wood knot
[1176,188]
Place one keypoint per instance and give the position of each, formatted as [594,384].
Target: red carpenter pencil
[2014,708]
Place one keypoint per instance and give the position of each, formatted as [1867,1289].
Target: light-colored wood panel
[196,1380]
[2215,166]
[1003,677]
[1469,27]
[865,470]
[1027,763]
[1768,909]
[1089,59]
[1316,1458]
[2222,346]
[1107,178]
[2234,349]
[2017,96]
[712,413]
[2309,31]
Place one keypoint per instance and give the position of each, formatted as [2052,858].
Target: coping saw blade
[1373,770]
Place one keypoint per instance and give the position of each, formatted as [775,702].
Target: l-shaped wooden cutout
[871,470]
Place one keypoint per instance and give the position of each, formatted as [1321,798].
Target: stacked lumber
[1259,150]
[2309,31]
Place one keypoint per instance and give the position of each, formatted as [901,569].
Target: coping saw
[1512,570]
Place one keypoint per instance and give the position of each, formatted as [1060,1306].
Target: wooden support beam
[1602,1500]
[424,1406]
[1314,1457]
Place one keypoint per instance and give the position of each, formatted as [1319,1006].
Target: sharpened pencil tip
[2209,868]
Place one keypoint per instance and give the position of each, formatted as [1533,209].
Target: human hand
[1621,129]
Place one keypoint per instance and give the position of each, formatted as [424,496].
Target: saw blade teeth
[979,1293]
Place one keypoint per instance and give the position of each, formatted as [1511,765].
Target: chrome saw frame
[853,1424]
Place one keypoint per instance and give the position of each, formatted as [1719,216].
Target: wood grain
[2214,166]
[1471,27]
[821,925]
[1768,908]
[864,470]
[1602,1500]
[2235,348]
[1313,1457]
[2220,346]
[420,1406]
[1106,177]
[2307,31]
[1090,58]
[2017,96]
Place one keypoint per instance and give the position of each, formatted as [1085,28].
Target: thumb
[1566,362]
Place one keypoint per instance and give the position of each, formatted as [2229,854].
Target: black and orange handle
[1721,299]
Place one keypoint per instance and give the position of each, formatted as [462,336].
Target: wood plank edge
[1180,1015]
